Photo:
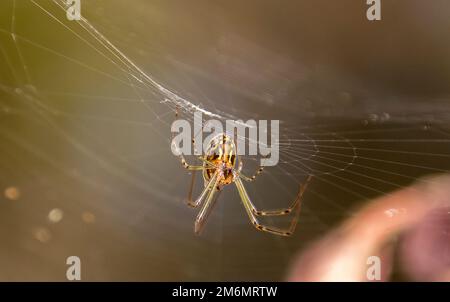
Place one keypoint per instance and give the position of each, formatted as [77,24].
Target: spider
[219,170]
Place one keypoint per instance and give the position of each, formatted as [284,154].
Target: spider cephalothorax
[222,166]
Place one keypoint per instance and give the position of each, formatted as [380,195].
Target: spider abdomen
[221,152]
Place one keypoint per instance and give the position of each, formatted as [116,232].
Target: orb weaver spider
[219,170]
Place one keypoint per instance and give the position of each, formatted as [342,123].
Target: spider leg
[246,178]
[194,167]
[181,156]
[188,166]
[250,178]
[209,186]
[252,213]
[288,210]
[208,205]
[190,202]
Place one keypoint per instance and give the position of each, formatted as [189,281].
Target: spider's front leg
[212,184]
[181,155]
[253,212]
[209,194]
[288,210]
[189,166]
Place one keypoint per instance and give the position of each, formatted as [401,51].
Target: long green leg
[209,186]
[251,211]
[208,205]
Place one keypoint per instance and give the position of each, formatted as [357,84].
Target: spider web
[86,108]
